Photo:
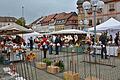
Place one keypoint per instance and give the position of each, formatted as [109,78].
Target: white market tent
[110,24]
[69,31]
[14,29]
[33,35]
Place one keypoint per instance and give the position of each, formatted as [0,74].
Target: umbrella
[14,29]
[69,31]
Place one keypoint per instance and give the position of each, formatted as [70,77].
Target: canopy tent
[92,33]
[110,24]
[33,35]
[14,29]
[69,31]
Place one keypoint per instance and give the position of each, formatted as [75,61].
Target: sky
[34,9]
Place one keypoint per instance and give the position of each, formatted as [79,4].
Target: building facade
[111,9]
[66,21]
[58,21]
[4,21]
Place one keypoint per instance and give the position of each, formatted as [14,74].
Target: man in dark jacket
[57,44]
[103,39]
[116,39]
[31,43]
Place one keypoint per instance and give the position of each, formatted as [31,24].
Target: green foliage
[21,21]
[47,61]
[60,64]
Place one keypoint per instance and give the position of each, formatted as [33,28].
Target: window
[90,22]
[57,22]
[111,7]
[99,21]
[63,21]
[11,20]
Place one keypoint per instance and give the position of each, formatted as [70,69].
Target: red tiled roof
[37,21]
[60,15]
[48,18]
[63,15]
[73,18]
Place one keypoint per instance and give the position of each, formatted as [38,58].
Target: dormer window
[111,7]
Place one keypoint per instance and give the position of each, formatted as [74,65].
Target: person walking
[57,44]
[103,39]
[116,39]
[31,43]
[44,44]
[50,45]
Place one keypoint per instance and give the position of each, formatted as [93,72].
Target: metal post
[22,11]
[95,38]
[95,24]
[85,25]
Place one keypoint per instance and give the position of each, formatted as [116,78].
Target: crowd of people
[103,41]
[47,43]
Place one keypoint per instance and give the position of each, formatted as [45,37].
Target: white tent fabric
[15,29]
[33,35]
[111,24]
[69,31]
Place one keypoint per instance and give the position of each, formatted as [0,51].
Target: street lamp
[94,5]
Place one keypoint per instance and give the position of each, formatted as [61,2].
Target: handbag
[46,46]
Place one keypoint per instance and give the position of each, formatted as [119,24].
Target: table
[111,50]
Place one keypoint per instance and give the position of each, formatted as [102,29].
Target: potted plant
[60,64]
[47,61]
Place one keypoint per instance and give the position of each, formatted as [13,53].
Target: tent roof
[14,29]
[107,25]
[69,31]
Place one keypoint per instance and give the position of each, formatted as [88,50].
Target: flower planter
[69,75]
[53,69]
[40,65]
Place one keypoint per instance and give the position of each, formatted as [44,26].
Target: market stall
[8,44]
[112,26]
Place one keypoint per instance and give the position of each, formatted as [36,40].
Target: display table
[16,57]
[111,50]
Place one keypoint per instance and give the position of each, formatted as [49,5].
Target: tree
[21,21]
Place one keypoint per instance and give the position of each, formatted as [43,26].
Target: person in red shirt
[44,44]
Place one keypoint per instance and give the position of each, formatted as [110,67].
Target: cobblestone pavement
[84,64]
[87,65]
